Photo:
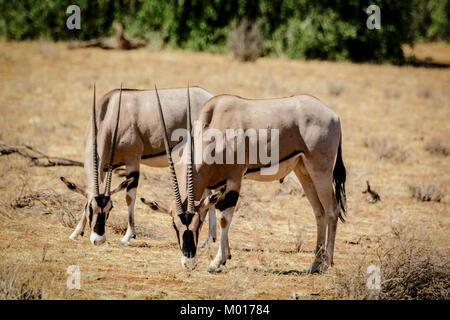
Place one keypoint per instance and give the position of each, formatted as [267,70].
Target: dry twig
[37,158]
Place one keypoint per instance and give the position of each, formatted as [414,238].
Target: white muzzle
[96,239]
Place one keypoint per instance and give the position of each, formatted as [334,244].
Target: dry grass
[336,89]
[430,191]
[410,267]
[438,147]
[45,102]
[48,202]
[386,148]
[19,284]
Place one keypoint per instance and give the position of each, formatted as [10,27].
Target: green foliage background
[320,29]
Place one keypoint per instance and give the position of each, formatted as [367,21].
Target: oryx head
[98,204]
[187,222]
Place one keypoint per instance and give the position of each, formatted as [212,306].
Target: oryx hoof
[133,236]
[213,269]
[229,257]
[73,237]
[124,243]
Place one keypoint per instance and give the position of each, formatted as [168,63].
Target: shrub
[427,192]
[246,41]
[410,268]
[386,148]
[436,146]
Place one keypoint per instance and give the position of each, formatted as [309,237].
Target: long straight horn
[94,148]
[189,177]
[113,149]
[176,190]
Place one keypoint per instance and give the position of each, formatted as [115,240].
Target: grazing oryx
[309,143]
[138,140]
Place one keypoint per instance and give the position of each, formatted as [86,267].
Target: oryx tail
[339,176]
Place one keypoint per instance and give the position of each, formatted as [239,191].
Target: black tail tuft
[339,176]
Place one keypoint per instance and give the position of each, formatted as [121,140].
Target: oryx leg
[132,171]
[321,221]
[79,229]
[228,251]
[212,230]
[323,181]
[225,207]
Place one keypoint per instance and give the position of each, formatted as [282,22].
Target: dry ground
[389,114]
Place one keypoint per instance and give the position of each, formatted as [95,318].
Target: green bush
[431,20]
[322,29]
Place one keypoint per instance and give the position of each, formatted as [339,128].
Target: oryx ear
[122,185]
[72,186]
[208,202]
[155,206]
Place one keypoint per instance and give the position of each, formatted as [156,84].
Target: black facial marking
[102,200]
[186,218]
[133,183]
[176,231]
[99,227]
[91,213]
[189,248]
[229,201]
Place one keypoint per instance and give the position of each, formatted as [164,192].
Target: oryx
[138,140]
[309,143]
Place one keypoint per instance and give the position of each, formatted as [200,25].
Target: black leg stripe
[229,201]
[135,182]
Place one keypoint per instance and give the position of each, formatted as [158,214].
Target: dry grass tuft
[19,284]
[424,93]
[436,146]
[120,227]
[60,205]
[410,268]
[430,191]
[386,148]
[246,41]
[335,89]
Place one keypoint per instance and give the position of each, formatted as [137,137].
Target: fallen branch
[37,158]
